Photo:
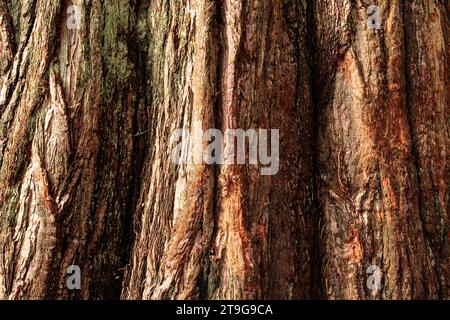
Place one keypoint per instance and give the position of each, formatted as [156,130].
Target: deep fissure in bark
[86,178]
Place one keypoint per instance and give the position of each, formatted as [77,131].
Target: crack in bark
[85,171]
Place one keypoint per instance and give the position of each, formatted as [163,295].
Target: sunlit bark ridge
[87,115]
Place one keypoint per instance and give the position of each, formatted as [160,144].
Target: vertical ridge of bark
[63,175]
[26,252]
[178,218]
[256,224]
[427,65]
[87,175]
[371,216]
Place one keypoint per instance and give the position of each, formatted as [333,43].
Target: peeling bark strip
[86,177]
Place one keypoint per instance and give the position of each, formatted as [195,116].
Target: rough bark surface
[374,179]
[221,232]
[66,146]
[86,171]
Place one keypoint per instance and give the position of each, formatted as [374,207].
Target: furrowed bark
[88,178]
[216,232]
[174,212]
[64,175]
[427,72]
[264,223]
[369,190]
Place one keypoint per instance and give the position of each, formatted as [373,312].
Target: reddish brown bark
[375,209]
[86,124]
[66,147]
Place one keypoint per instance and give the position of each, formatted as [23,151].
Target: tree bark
[373,190]
[66,146]
[87,178]
[225,232]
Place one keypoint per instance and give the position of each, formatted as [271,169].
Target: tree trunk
[225,232]
[87,117]
[67,105]
[382,139]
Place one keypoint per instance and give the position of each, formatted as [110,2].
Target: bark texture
[86,174]
[382,134]
[67,106]
[225,232]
